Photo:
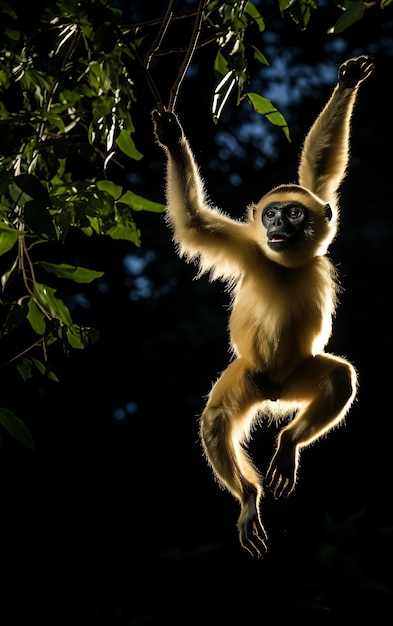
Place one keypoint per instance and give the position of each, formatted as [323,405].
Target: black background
[120,521]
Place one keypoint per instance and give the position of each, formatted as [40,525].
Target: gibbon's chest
[275,297]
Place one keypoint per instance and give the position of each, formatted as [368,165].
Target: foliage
[68,75]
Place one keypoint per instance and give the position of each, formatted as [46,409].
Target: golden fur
[282,306]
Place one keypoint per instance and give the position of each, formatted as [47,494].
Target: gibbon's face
[292,225]
[284,223]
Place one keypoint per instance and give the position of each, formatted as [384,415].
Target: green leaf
[43,369]
[266,108]
[253,12]
[258,56]
[37,217]
[36,318]
[15,316]
[72,272]
[16,428]
[8,239]
[82,336]
[32,187]
[221,64]
[107,185]
[126,144]
[353,14]
[125,227]
[138,203]
[55,307]
[24,368]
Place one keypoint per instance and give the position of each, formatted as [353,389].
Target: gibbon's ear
[328,212]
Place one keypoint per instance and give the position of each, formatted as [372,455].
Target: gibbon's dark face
[284,222]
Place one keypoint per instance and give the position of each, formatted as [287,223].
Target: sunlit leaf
[55,307]
[125,143]
[8,239]
[300,12]
[353,14]
[258,56]
[138,203]
[16,428]
[36,318]
[107,185]
[127,233]
[253,12]
[125,227]
[72,272]
[265,107]
[221,64]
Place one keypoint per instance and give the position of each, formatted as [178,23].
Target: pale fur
[281,314]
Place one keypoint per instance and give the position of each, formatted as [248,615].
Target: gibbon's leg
[225,425]
[328,385]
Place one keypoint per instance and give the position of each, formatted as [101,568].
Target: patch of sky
[102,286]
[135,264]
[126,410]
[140,284]
[79,299]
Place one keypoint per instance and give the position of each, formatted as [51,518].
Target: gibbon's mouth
[280,241]
[279,237]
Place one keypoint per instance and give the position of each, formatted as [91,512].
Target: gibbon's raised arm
[325,151]
[201,231]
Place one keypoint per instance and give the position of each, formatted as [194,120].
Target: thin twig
[134,53]
[17,356]
[161,34]
[189,55]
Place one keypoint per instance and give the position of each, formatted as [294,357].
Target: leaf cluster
[67,100]
[65,114]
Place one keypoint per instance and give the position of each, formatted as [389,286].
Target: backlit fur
[282,307]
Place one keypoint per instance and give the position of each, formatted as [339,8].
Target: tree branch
[189,55]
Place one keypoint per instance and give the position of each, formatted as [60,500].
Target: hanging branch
[134,53]
[161,34]
[189,55]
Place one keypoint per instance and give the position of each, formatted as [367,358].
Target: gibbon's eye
[269,214]
[294,213]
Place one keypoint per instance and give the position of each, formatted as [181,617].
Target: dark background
[116,517]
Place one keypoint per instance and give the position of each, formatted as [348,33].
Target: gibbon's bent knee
[344,382]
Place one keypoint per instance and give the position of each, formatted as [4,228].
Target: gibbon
[284,293]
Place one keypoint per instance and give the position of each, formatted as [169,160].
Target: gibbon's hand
[355,71]
[167,129]
[280,477]
[252,534]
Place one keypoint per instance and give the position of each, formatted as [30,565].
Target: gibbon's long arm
[201,231]
[325,152]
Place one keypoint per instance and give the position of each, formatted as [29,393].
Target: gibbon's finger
[255,545]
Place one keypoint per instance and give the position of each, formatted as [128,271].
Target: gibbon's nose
[278,219]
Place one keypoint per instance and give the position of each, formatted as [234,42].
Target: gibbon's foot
[281,474]
[355,71]
[252,534]
[167,129]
